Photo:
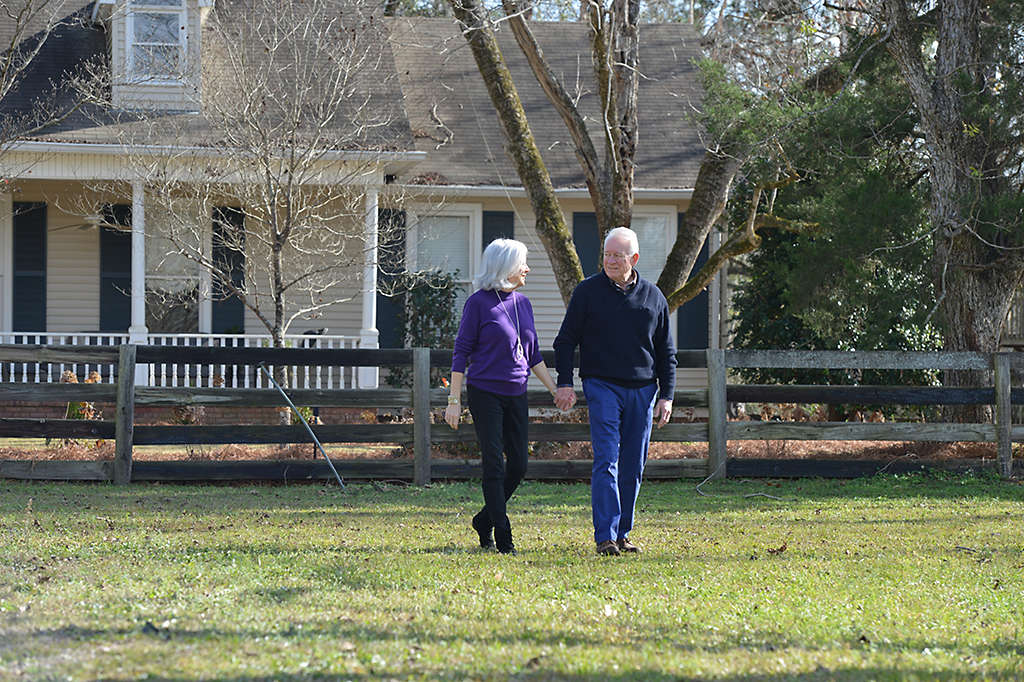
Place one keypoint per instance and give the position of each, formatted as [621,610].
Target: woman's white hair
[502,258]
[624,233]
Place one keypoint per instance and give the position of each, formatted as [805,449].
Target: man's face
[618,261]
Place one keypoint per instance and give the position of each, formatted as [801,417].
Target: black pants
[500,422]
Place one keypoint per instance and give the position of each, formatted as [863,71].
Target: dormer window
[156,34]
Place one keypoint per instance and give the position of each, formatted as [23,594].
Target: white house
[82,228]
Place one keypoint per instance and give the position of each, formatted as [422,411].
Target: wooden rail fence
[716,431]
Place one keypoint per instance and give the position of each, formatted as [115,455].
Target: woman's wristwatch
[454,400]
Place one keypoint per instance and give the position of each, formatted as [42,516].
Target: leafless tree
[296,110]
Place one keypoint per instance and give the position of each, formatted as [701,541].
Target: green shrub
[427,320]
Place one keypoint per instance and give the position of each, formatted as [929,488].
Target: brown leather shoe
[625,545]
[608,548]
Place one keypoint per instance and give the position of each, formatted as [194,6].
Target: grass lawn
[893,577]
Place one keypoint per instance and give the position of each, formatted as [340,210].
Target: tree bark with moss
[969,101]
[521,145]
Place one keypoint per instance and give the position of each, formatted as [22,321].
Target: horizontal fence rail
[421,399]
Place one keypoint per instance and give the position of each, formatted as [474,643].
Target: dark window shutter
[28,290]
[692,317]
[390,263]
[227,312]
[116,269]
[497,225]
[586,239]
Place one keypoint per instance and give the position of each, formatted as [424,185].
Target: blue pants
[620,431]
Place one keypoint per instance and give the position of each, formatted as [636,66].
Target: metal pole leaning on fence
[312,435]
[421,415]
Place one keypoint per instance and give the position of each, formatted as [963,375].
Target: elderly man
[620,321]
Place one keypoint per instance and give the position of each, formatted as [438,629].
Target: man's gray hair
[624,233]
[501,259]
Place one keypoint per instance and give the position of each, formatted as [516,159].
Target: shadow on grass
[769,644]
[90,499]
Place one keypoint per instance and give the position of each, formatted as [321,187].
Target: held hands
[662,412]
[452,415]
[565,398]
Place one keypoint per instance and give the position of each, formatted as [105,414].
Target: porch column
[205,325]
[7,263]
[137,332]
[368,336]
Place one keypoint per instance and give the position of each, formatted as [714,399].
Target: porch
[183,374]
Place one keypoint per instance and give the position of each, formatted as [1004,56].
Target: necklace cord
[519,338]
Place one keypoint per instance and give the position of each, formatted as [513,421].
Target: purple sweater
[487,340]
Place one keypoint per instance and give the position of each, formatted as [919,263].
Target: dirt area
[775,449]
[796,449]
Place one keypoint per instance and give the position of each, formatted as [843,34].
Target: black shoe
[503,538]
[608,548]
[483,529]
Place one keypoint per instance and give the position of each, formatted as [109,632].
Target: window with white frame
[156,40]
[655,229]
[652,231]
[448,240]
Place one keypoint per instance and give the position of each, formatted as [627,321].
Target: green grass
[886,578]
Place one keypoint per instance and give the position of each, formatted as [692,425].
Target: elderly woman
[498,342]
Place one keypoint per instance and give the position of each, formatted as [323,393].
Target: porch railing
[45,373]
[182,374]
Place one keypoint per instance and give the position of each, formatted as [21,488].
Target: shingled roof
[452,118]
[427,81]
[376,91]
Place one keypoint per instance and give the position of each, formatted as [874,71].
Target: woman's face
[518,276]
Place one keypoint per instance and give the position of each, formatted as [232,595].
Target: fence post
[124,427]
[716,413]
[1003,415]
[421,415]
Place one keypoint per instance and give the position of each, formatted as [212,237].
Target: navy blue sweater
[623,336]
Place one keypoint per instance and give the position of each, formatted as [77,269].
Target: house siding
[344,319]
[72,263]
[73,282]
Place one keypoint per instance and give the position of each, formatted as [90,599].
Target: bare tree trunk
[974,307]
[277,332]
[521,145]
[710,195]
